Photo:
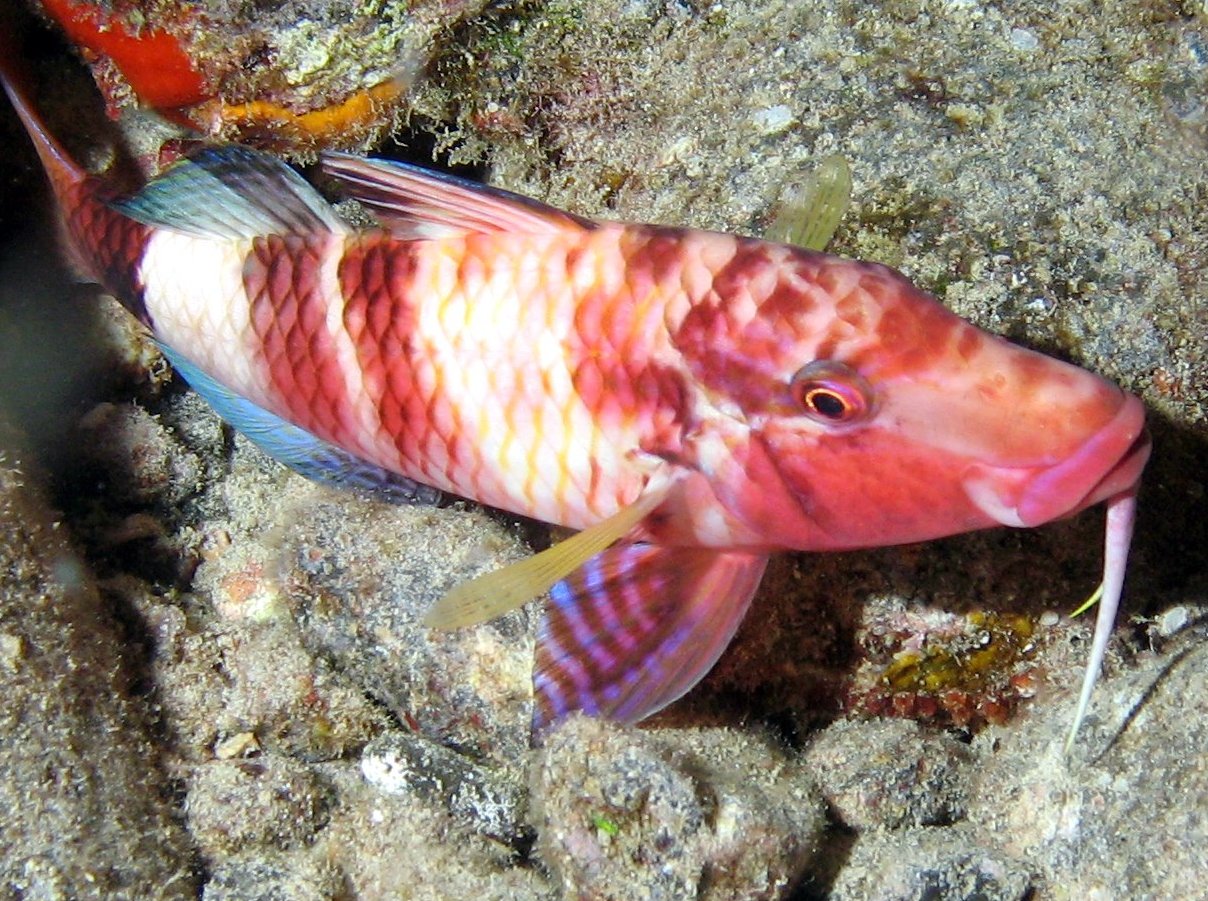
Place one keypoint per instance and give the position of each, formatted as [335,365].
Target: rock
[83,793]
[228,679]
[929,865]
[482,800]
[141,458]
[709,814]
[280,877]
[388,845]
[1122,816]
[890,773]
[267,802]
[359,576]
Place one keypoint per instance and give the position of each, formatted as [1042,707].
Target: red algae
[336,78]
[158,69]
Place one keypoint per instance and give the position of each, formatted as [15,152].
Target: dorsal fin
[231,192]
[414,202]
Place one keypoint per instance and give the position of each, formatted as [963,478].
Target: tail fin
[75,189]
[64,172]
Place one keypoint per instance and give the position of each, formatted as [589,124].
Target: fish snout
[1107,463]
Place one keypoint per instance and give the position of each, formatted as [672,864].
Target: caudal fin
[98,244]
[64,172]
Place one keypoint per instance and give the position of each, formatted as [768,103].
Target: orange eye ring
[831,393]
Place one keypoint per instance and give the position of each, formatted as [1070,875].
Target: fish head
[876,416]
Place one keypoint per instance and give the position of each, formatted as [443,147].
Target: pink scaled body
[550,374]
[694,401]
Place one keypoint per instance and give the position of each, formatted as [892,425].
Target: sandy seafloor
[214,680]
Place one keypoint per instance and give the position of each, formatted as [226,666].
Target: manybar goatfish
[692,401]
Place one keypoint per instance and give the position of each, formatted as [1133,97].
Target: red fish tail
[65,174]
[101,245]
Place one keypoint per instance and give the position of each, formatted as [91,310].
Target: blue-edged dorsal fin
[231,192]
[636,627]
[413,202]
[297,448]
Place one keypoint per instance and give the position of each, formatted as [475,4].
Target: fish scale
[692,401]
[288,321]
[116,244]
[504,357]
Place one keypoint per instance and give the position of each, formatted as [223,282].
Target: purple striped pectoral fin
[636,627]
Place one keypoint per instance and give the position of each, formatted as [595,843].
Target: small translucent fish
[692,401]
[811,209]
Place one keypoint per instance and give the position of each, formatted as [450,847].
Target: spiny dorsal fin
[636,628]
[414,202]
[231,192]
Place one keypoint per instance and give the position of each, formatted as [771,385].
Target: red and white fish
[692,401]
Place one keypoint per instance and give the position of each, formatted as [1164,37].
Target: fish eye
[830,392]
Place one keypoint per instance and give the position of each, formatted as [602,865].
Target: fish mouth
[1105,465]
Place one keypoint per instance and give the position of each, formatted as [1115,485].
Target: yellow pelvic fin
[1089,602]
[812,207]
[495,593]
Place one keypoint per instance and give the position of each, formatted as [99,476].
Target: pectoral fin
[811,207]
[636,627]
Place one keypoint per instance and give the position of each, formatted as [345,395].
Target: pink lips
[1109,462]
